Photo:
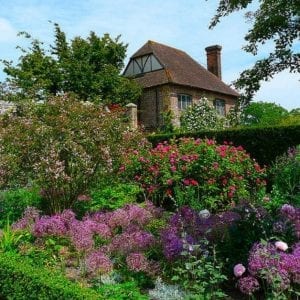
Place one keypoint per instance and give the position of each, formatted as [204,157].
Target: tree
[264,114]
[87,67]
[274,20]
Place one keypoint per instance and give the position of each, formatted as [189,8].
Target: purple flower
[30,215]
[47,225]
[172,244]
[288,211]
[97,262]
[81,236]
[137,262]
[248,285]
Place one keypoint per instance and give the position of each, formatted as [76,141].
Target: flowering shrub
[102,241]
[201,116]
[61,145]
[217,176]
[269,264]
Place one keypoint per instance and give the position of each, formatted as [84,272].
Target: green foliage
[13,203]
[263,143]
[109,197]
[285,176]
[121,291]
[199,275]
[263,114]
[277,21]
[201,116]
[63,146]
[20,280]
[87,67]
[167,126]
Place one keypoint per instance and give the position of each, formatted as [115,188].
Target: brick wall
[156,100]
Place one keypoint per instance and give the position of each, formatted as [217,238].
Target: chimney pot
[213,54]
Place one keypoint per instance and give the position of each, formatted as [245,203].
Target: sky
[182,24]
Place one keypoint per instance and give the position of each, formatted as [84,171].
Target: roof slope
[179,68]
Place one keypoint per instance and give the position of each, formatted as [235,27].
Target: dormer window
[142,64]
[184,101]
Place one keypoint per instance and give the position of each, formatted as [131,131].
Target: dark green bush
[263,143]
[14,202]
[20,280]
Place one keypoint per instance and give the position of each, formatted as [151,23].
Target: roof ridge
[164,45]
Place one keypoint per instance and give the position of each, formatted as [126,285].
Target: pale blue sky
[182,24]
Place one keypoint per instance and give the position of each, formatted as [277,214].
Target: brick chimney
[213,54]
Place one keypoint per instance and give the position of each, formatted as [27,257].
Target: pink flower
[83,198]
[239,270]
[281,245]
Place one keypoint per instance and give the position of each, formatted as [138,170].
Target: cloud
[7,31]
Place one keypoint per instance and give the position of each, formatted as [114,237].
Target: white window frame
[184,101]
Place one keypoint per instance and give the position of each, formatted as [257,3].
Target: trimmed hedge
[262,143]
[20,280]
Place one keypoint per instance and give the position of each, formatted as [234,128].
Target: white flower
[281,245]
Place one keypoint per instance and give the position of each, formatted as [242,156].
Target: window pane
[155,64]
[220,106]
[184,101]
[147,64]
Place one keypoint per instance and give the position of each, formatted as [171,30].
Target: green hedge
[263,144]
[20,280]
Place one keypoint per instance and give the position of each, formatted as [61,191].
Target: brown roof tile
[179,68]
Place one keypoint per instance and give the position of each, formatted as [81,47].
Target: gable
[142,64]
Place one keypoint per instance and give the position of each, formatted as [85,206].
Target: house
[172,80]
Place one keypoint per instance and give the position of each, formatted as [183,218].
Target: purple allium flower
[30,215]
[68,216]
[137,262]
[81,236]
[296,249]
[239,270]
[138,214]
[248,285]
[156,212]
[133,241]
[97,262]
[288,211]
[119,218]
[47,225]
[291,264]
[279,227]
[172,243]
[262,257]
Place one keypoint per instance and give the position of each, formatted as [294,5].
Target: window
[220,106]
[184,101]
[142,64]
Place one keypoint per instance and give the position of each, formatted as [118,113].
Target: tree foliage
[87,67]
[274,20]
[263,114]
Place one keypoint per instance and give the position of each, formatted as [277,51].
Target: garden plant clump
[199,173]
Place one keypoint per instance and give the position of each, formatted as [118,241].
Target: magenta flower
[137,262]
[248,285]
[97,262]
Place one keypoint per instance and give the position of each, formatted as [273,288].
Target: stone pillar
[132,115]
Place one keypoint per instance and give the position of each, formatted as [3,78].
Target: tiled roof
[179,68]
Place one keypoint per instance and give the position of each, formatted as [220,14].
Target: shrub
[217,176]
[20,280]
[262,143]
[285,176]
[201,116]
[14,202]
[62,145]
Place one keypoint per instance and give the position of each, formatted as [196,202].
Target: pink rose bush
[217,175]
